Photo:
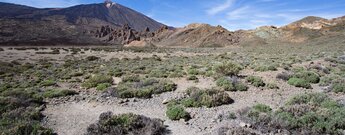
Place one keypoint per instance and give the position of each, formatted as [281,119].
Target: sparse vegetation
[228,69]
[208,98]
[297,82]
[176,112]
[313,113]
[53,93]
[263,68]
[96,80]
[255,81]
[231,84]
[126,124]
[144,88]
[103,86]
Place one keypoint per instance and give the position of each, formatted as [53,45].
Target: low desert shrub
[284,76]
[313,113]
[192,77]
[92,58]
[103,86]
[229,84]
[116,72]
[97,79]
[47,83]
[53,93]
[255,81]
[144,88]
[297,82]
[176,112]
[272,86]
[338,87]
[131,78]
[309,76]
[228,69]
[263,68]
[208,98]
[124,124]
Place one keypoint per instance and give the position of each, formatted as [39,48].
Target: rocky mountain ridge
[110,23]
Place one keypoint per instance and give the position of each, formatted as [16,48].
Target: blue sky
[231,14]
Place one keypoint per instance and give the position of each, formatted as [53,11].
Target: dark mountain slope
[73,25]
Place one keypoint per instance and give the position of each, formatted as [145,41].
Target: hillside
[73,25]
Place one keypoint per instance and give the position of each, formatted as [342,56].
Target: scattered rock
[246,125]
[165,101]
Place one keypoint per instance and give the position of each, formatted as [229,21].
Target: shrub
[228,69]
[177,112]
[48,83]
[144,88]
[193,77]
[256,110]
[284,76]
[116,72]
[256,81]
[208,98]
[265,68]
[309,76]
[313,113]
[103,86]
[232,115]
[338,87]
[272,86]
[53,93]
[297,82]
[229,85]
[193,71]
[124,124]
[97,79]
[131,78]
[92,58]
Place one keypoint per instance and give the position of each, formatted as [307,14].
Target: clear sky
[231,14]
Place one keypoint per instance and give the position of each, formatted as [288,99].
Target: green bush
[97,79]
[144,88]
[48,83]
[123,124]
[309,76]
[228,85]
[265,68]
[272,86]
[53,93]
[297,82]
[313,113]
[256,110]
[228,69]
[193,71]
[131,78]
[208,98]
[177,112]
[255,81]
[116,72]
[338,87]
[103,86]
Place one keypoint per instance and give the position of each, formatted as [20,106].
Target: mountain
[73,25]
[306,29]
[113,24]
[198,35]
